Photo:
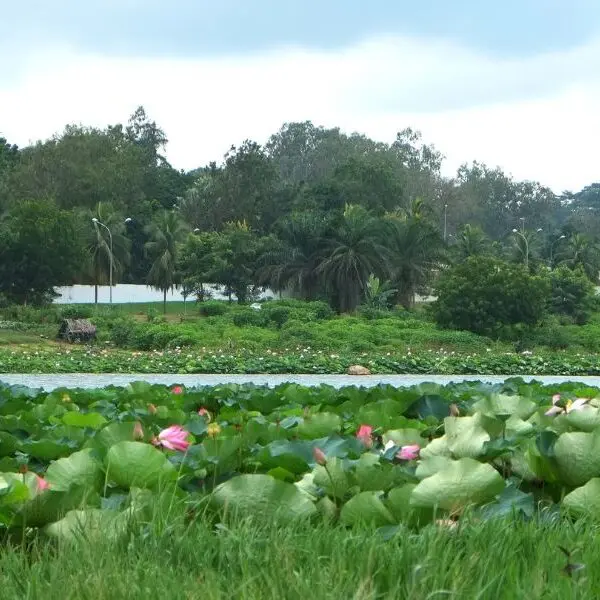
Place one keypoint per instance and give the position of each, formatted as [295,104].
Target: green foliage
[39,249]
[572,294]
[213,308]
[484,295]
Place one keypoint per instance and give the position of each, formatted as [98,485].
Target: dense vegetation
[415,488]
[314,213]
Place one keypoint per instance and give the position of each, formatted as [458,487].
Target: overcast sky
[513,83]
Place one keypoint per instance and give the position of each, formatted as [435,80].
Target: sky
[511,84]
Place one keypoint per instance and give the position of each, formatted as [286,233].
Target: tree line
[315,212]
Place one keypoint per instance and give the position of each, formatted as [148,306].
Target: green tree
[196,262]
[581,251]
[291,264]
[470,241]
[165,234]
[417,251]
[236,253]
[99,246]
[572,293]
[39,249]
[486,295]
[349,254]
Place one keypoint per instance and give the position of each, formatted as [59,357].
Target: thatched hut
[77,330]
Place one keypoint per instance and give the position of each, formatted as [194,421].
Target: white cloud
[536,118]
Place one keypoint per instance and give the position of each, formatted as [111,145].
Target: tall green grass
[493,560]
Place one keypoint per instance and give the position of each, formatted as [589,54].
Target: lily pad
[466,436]
[262,497]
[134,464]
[366,508]
[585,500]
[464,482]
[578,457]
[81,468]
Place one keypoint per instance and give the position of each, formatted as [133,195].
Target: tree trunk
[96,294]
[165,301]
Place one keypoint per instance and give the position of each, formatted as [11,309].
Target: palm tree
[98,245]
[471,241]
[350,254]
[581,251]
[417,252]
[165,233]
[293,264]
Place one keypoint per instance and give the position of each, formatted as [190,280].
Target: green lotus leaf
[81,468]
[586,420]
[88,524]
[334,478]
[110,435]
[93,420]
[134,464]
[431,465]
[371,474]
[465,436]
[464,482]
[503,406]
[584,501]
[404,437]
[366,508]
[319,425]
[437,447]
[398,501]
[46,449]
[262,497]
[578,457]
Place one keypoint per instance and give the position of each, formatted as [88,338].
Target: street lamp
[522,234]
[110,277]
[562,237]
[445,220]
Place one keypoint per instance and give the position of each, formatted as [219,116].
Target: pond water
[87,380]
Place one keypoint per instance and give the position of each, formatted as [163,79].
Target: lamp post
[110,277]
[562,237]
[445,220]
[522,234]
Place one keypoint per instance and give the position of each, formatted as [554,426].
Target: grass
[493,560]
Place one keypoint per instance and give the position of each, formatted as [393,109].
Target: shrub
[213,308]
[278,315]
[76,312]
[249,316]
[572,294]
[484,294]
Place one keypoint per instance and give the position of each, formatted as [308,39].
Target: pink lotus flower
[138,431]
[204,413]
[42,484]
[409,452]
[177,389]
[173,438]
[569,406]
[364,435]
[319,456]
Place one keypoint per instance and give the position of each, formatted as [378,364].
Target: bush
[76,312]
[572,294]
[279,315]
[213,308]
[485,295]
[249,316]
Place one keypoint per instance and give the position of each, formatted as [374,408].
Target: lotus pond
[387,458]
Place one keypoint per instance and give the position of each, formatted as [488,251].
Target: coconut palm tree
[353,251]
[165,233]
[292,266]
[583,252]
[417,251]
[99,248]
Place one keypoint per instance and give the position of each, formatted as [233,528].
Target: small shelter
[77,330]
